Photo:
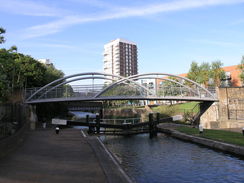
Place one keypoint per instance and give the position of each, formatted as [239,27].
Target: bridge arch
[40,92]
[164,77]
[195,91]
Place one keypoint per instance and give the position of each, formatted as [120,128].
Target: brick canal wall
[228,112]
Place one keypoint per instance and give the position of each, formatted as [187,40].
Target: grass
[218,135]
[170,110]
[165,110]
[188,106]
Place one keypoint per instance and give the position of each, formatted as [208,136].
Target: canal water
[165,159]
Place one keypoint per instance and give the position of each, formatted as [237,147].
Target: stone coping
[230,148]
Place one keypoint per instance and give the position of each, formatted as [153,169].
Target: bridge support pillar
[203,107]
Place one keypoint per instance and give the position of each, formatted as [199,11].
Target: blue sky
[170,34]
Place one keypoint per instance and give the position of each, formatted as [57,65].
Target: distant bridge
[95,86]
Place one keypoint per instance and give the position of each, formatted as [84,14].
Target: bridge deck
[119,98]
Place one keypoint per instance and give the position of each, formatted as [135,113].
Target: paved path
[65,158]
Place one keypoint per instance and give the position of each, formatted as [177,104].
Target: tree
[6,73]
[241,67]
[29,72]
[2,31]
[203,73]
[169,87]
[18,71]
[52,74]
[217,73]
[193,72]
[13,49]
[199,73]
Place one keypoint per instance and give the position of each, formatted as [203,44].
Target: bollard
[200,128]
[97,123]
[57,130]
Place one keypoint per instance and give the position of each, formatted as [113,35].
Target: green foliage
[18,71]
[219,135]
[122,90]
[188,110]
[13,49]
[2,31]
[169,87]
[189,106]
[68,91]
[204,72]
[6,73]
[241,67]
[52,74]
[28,72]
[217,73]
[165,110]
[188,116]
[168,83]
[194,71]
[199,73]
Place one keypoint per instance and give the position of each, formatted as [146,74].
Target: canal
[165,159]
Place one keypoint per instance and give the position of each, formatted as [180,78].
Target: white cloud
[122,12]
[95,3]
[30,8]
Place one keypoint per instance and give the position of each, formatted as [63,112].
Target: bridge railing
[85,91]
[65,91]
[131,87]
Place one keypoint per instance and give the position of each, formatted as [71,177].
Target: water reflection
[165,159]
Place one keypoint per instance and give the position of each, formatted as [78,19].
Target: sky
[169,34]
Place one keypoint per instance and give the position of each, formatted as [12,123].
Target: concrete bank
[68,157]
[229,148]
[11,143]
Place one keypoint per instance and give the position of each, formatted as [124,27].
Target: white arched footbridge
[95,86]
